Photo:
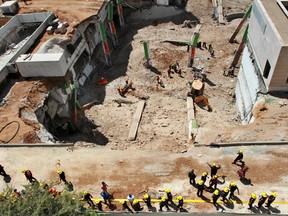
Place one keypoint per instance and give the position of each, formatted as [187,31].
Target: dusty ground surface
[153,161]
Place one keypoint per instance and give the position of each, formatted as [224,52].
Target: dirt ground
[154,160]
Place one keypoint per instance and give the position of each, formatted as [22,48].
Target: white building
[264,66]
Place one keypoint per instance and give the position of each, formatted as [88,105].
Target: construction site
[139,93]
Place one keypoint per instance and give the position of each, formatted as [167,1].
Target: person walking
[192,177]
[29,176]
[164,202]
[180,203]
[242,172]
[125,206]
[147,200]
[200,188]
[215,196]
[88,198]
[104,187]
[262,200]
[169,195]
[2,171]
[106,196]
[233,187]
[214,169]
[213,182]
[136,206]
[271,199]
[62,176]
[130,198]
[239,157]
[251,200]
[99,205]
[204,176]
[224,194]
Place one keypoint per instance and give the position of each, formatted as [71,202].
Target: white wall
[264,39]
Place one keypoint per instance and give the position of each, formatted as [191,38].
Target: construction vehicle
[196,88]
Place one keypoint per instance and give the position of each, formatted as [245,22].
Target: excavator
[196,89]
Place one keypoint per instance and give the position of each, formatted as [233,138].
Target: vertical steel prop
[147,53]
[120,12]
[104,43]
[193,47]
[112,25]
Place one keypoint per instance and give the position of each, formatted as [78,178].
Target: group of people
[217,193]
[227,193]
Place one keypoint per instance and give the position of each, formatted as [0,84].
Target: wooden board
[136,120]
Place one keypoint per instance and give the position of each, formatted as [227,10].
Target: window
[266,69]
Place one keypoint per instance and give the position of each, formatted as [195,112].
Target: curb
[254,143]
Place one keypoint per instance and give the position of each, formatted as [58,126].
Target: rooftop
[278,17]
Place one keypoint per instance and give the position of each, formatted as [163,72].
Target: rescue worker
[88,198]
[204,176]
[29,176]
[125,206]
[99,205]
[213,182]
[169,195]
[192,177]
[147,200]
[62,176]
[2,171]
[164,202]
[224,194]
[271,199]
[251,200]
[262,200]
[215,196]
[200,188]
[160,81]
[233,187]
[106,196]
[239,157]
[136,205]
[169,71]
[180,203]
[214,168]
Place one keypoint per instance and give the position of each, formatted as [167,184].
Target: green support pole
[240,48]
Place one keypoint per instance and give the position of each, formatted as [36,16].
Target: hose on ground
[17,130]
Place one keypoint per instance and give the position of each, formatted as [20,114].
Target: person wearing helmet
[214,169]
[147,200]
[262,200]
[204,176]
[192,177]
[271,199]
[136,206]
[215,196]
[252,200]
[233,187]
[130,198]
[88,198]
[125,206]
[164,202]
[169,195]
[180,203]
[62,176]
[29,176]
[224,194]
[213,182]
[239,157]
[99,205]
[200,188]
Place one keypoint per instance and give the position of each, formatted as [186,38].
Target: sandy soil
[153,161]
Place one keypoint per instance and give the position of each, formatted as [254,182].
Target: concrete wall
[155,12]
[42,65]
[266,44]
[279,80]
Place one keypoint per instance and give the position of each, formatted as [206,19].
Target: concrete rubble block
[50,30]
[52,108]
[63,111]
[59,96]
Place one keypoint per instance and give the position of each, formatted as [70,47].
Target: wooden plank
[136,119]
[220,12]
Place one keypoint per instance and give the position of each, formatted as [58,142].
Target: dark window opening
[267,69]
[287,80]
